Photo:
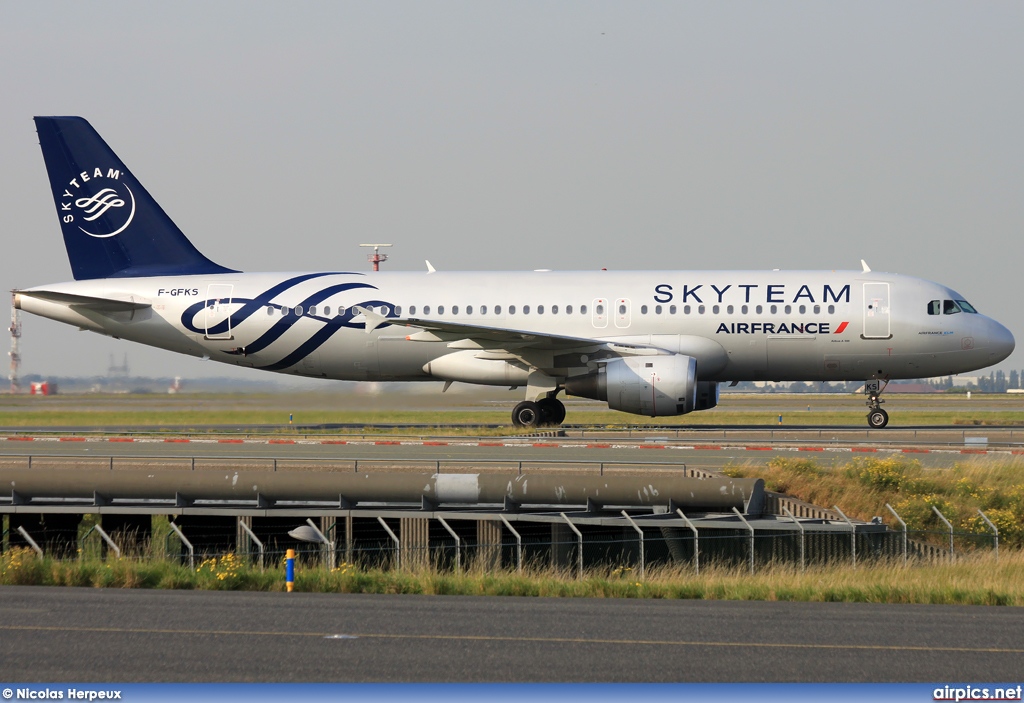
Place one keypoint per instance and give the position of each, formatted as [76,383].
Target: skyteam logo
[99,201]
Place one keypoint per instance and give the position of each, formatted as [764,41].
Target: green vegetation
[976,581]
[456,413]
[861,488]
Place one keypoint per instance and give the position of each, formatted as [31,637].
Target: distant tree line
[995,382]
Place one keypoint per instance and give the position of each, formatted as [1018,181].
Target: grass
[976,581]
[861,488]
[199,409]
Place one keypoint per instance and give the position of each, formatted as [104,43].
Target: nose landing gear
[877,418]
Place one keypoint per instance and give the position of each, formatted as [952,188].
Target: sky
[526,135]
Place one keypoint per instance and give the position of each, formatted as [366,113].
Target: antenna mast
[15,352]
[376,258]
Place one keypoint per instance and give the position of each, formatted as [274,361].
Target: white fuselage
[739,325]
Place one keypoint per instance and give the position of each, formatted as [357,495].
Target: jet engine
[643,385]
[707,395]
[465,366]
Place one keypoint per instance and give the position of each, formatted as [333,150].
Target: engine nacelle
[707,395]
[642,385]
[465,366]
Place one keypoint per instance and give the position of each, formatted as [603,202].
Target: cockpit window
[966,307]
[949,307]
[935,307]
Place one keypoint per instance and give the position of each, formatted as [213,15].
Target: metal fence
[562,543]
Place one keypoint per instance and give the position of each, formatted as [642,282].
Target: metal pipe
[458,543]
[349,538]
[579,538]
[188,545]
[801,528]
[641,533]
[950,526]
[995,532]
[106,538]
[326,544]
[398,545]
[28,538]
[853,534]
[897,516]
[255,540]
[696,542]
[749,527]
[706,495]
[519,543]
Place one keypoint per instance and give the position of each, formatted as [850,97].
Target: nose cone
[998,341]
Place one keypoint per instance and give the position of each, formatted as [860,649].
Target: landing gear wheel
[878,418]
[552,412]
[526,414]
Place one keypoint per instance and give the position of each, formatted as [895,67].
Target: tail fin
[112,227]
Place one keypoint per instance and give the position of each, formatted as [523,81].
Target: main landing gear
[877,418]
[545,412]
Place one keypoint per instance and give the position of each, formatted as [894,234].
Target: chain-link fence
[491,544]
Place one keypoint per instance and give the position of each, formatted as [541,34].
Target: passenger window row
[482,310]
[313,310]
[743,309]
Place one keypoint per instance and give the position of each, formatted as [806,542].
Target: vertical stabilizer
[112,226]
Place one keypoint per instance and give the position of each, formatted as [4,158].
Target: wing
[534,348]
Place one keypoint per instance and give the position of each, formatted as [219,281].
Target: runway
[708,450]
[73,634]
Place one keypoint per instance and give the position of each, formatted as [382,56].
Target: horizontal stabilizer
[125,303]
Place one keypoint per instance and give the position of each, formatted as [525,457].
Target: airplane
[652,343]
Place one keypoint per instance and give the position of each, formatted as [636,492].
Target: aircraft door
[218,310]
[622,313]
[876,311]
[599,312]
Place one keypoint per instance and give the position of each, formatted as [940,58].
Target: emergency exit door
[876,311]
[218,310]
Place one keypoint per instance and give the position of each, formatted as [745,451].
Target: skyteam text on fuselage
[652,343]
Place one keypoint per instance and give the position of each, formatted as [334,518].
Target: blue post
[780,419]
[290,416]
[289,570]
